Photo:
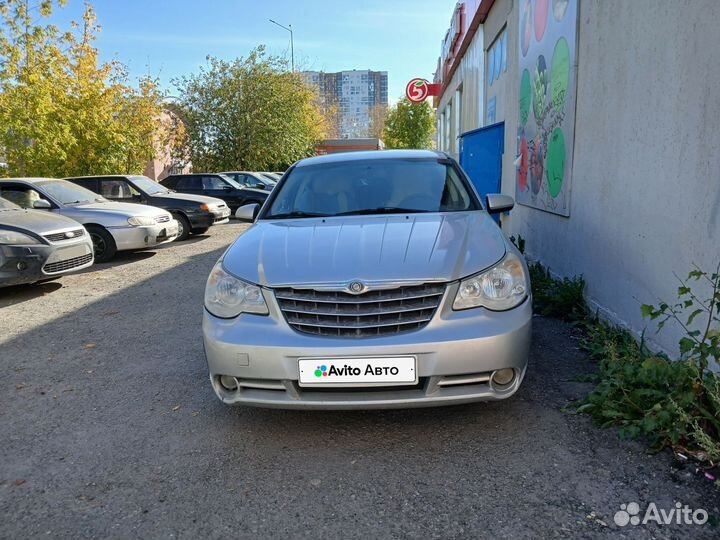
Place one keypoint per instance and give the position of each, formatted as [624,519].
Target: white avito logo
[629,514]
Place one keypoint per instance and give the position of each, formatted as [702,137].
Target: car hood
[37,221]
[119,208]
[373,249]
[200,199]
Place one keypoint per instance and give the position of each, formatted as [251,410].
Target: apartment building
[355,95]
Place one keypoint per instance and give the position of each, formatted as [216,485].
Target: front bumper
[144,237]
[32,263]
[456,353]
[203,220]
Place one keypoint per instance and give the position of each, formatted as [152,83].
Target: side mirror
[228,188]
[42,204]
[247,212]
[497,203]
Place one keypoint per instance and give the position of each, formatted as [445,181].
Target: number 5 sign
[418,90]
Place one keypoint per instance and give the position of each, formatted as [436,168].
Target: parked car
[195,214]
[273,176]
[252,179]
[112,226]
[369,280]
[215,185]
[37,246]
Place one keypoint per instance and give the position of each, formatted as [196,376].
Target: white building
[609,109]
[355,93]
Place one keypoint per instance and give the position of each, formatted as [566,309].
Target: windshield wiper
[383,210]
[297,214]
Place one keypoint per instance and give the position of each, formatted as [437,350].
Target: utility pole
[292,44]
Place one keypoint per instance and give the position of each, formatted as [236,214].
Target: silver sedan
[369,280]
[112,226]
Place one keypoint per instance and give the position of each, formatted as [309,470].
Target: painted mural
[547,94]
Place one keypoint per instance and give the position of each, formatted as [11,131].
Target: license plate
[375,371]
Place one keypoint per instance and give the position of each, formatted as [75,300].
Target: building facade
[355,96]
[607,109]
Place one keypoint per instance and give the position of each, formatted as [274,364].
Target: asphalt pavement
[110,429]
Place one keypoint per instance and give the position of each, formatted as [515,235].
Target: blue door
[481,152]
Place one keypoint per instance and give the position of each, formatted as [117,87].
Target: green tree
[249,114]
[61,111]
[410,125]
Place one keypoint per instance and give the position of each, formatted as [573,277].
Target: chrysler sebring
[369,280]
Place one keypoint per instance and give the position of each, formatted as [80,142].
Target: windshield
[68,193]
[230,181]
[143,183]
[371,187]
[271,177]
[7,205]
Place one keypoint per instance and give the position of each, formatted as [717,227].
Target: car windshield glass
[230,181]
[7,205]
[270,178]
[143,183]
[377,186]
[68,193]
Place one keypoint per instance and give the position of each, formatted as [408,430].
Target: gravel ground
[110,430]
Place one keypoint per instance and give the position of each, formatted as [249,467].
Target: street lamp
[292,45]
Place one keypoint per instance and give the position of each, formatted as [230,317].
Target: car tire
[183,227]
[103,243]
[200,230]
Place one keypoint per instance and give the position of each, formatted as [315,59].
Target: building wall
[645,201]
[461,107]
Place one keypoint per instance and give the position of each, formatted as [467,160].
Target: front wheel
[183,227]
[103,243]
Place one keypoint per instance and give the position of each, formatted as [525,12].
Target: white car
[112,226]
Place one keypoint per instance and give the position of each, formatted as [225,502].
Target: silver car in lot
[37,246]
[369,280]
[112,226]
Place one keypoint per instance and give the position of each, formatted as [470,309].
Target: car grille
[374,313]
[162,219]
[59,237]
[67,264]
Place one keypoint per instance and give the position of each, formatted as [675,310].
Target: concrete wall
[645,200]
[468,79]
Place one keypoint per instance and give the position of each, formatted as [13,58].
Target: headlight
[141,221]
[227,297]
[502,287]
[14,238]
[204,208]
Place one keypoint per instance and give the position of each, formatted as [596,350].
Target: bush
[670,403]
[557,298]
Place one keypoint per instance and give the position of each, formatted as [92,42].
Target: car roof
[28,179]
[370,154]
[103,176]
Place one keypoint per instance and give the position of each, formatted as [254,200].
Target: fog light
[503,377]
[22,265]
[228,382]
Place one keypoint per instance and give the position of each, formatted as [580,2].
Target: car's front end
[401,345]
[369,282]
[35,247]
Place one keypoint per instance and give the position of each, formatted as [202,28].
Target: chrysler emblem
[356,287]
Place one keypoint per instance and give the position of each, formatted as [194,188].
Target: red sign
[418,90]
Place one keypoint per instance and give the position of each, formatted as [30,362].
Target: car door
[120,190]
[188,184]
[22,194]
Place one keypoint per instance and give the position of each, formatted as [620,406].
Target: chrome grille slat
[162,219]
[374,313]
[60,237]
[67,264]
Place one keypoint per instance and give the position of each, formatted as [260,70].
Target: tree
[63,113]
[378,119]
[250,113]
[410,125]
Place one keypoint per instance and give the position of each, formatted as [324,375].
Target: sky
[169,38]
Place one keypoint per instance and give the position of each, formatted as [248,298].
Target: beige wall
[468,80]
